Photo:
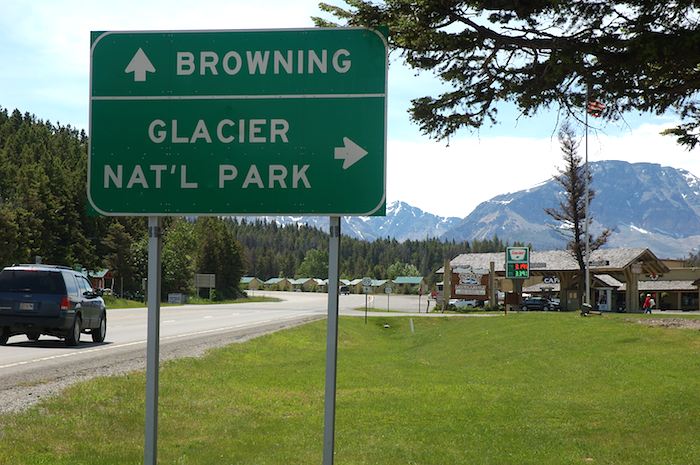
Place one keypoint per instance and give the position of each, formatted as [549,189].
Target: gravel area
[21,391]
[683,323]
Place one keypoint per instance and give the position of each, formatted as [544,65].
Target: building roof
[248,279]
[561,260]
[608,281]
[275,280]
[408,280]
[97,273]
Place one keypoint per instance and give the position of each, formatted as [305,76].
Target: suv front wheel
[73,337]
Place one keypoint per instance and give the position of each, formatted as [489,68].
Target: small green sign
[238,122]
[517,262]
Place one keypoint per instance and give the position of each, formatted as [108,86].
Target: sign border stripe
[238,97]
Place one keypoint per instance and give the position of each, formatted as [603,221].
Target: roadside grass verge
[112,301]
[116,303]
[529,388]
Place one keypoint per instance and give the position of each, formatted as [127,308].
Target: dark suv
[48,299]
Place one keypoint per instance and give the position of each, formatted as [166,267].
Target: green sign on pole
[238,122]
[517,262]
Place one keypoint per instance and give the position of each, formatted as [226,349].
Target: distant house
[101,279]
[409,284]
[305,284]
[379,285]
[355,286]
[278,284]
[251,283]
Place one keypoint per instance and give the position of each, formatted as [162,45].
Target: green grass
[112,301]
[523,389]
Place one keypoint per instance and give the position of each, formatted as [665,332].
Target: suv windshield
[35,281]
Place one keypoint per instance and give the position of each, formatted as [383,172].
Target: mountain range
[645,204]
[402,222]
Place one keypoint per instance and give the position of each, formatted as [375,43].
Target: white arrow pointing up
[350,153]
[140,65]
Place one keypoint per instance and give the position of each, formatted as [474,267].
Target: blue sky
[45,55]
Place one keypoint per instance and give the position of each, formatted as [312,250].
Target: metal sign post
[365,308]
[366,287]
[331,340]
[152,342]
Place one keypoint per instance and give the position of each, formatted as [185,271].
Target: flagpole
[587,296]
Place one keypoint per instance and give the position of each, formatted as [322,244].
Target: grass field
[529,388]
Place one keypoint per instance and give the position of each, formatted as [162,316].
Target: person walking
[646,306]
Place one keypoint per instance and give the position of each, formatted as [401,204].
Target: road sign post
[366,289]
[150,453]
[331,341]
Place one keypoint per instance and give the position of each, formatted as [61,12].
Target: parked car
[466,303]
[536,303]
[344,290]
[52,300]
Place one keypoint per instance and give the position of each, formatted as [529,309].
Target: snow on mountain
[645,204]
[402,222]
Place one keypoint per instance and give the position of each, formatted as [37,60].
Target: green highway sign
[517,262]
[238,122]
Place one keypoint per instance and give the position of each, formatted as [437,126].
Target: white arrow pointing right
[350,153]
[140,65]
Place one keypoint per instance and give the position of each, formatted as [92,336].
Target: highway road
[30,370]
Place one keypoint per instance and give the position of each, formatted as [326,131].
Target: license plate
[26,306]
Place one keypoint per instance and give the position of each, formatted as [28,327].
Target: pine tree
[571,213]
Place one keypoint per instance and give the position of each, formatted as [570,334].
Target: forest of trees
[275,251]
[44,213]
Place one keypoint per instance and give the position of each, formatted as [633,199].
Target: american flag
[595,108]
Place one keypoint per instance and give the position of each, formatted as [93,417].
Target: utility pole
[587,295]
